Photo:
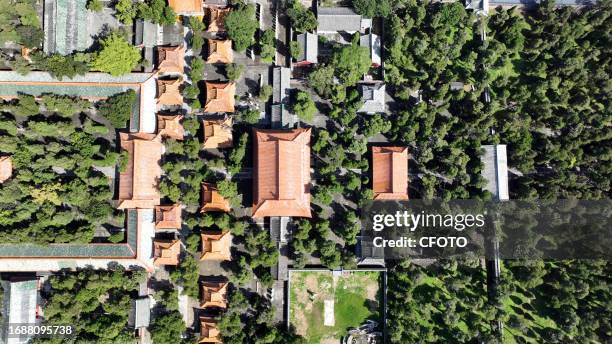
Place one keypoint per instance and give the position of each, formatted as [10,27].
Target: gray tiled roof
[334,19]
[280,84]
[309,47]
[373,96]
[65,25]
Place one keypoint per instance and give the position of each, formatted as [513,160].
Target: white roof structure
[495,171]
[22,307]
[374,45]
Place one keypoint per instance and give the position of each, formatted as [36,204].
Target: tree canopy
[241,25]
[117,56]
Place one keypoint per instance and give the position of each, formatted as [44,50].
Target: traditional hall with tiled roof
[281,183]
[168,216]
[220,51]
[218,133]
[170,126]
[212,200]
[216,246]
[187,7]
[138,183]
[166,252]
[168,92]
[390,173]
[171,59]
[216,19]
[214,294]
[220,96]
[6,168]
[209,331]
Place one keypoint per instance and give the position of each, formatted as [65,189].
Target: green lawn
[355,295]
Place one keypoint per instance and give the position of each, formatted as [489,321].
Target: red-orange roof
[281,184]
[220,51]
[220,96]
[390,172]
[214,294]
[166,252]
[171,59]
[138,183]
[209,332]
[170,126]
[186,6]
[168,217]
[218,133]
[216,246]
[6,168]
[216,19]
[168,92]
[212,200]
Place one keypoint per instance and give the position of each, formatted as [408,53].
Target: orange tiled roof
[216,19]
[390,172]
[6,168]
[281,185]
[138,183]
[212,200]
[168,217]
[168,92]
[218,133]
[170,126]
[186,6]
[220,96]
[171,59]
[214,294]
[216,246]
[220,51]
[209,332]
[166,252]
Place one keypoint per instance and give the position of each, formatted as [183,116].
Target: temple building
[220,96]
[216,246]
[218,133]
[168,92]
[390,173]
[187,7]
[220,51]
[170,126]
[138,183]
[281,183]
[214,294]
[216,19]
[212,200]
[209,332]
[166,252]
[6,168]
[168,217]
[171,59]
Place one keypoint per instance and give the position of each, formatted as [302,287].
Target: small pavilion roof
[216,19]
[216,246]
[166,252]
[138,183]
[281,183]
[212,200]
[220,96]
[6,168]
[171,59]
[214,294]
[209,332]
[168,92]
[390,172]
[187,7]
[218,133]
[168,217]
[220,51]
[170,126]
